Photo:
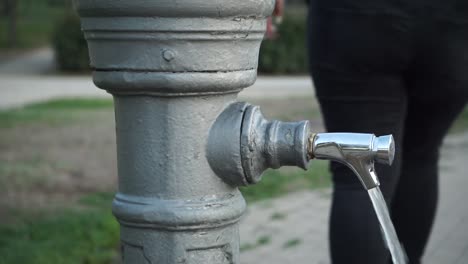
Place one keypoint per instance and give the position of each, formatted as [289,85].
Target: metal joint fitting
[243,144]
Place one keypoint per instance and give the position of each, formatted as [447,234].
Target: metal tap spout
[357,151]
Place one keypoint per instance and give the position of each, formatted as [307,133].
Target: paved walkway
[38,61]
[449,241]
[293,229]
[18,90]
[28,79]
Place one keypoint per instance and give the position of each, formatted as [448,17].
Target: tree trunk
[12,13]
[4,8]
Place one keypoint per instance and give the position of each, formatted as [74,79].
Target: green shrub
[287,53]
[35,24]
[71,50]
[59,3]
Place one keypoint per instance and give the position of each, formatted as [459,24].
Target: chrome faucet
[357,151]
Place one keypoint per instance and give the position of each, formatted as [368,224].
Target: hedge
[70,47]
[287,53]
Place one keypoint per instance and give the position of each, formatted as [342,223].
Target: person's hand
[275,19]
[279,9]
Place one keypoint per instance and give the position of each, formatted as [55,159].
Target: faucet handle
[357,151]
[384,148]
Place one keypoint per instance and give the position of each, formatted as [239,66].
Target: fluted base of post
[175,231]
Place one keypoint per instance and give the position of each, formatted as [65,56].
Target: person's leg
[415,199]
[438,92]
[356,64]
[355,235]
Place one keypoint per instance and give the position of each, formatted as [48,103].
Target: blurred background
[58,161]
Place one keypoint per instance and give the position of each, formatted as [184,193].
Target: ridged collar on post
[174,47]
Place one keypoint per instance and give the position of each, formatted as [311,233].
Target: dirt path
[46,165]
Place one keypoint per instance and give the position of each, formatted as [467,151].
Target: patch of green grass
[261,241]
[91,234]
[88,235]
[461,124]
[73,104]
[23,174]
[246,247]
[100,199]
[275,183]
[52,112]
[292,243]
[277,216]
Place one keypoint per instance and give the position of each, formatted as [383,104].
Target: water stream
[388,230]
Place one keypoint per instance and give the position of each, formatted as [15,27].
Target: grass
[52,112]
[275,183]
[36,21]
[461,124]
[292,243]
[278,216]
[89,235]
[247,247]
[261,241]
[21,174]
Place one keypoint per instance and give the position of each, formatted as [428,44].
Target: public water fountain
[243,144]
[184,142]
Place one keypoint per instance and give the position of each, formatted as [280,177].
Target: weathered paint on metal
[183,142]
[173,68]
[243,144]
[171,205]
[271,144]
[173,48]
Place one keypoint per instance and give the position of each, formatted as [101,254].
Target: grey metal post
[184,144]
[173,66]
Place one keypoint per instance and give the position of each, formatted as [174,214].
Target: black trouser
[386,74]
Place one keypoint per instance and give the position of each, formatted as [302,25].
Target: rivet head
[168,55]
